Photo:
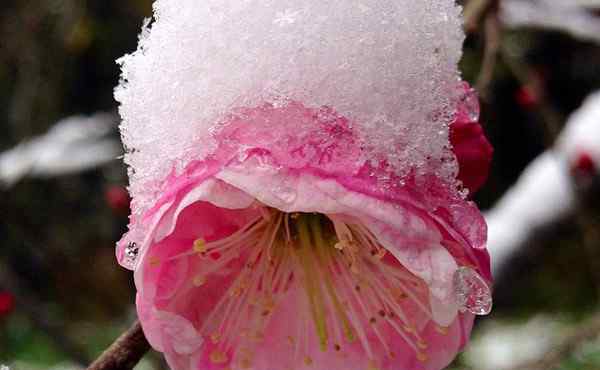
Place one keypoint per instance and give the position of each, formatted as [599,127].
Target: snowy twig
[546,190]
[570,16]
[72,145]
[585,332]
[125,352]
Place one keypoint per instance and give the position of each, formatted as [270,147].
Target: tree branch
[476,11]
[125,352]
[490,54]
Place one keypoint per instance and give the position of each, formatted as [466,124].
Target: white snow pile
[569,16]
[545,191]
[389,65]
[73,144]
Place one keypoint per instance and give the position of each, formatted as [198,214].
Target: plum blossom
[305,227]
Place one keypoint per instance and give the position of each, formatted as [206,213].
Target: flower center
[348,291]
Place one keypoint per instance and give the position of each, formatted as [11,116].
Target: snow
[388,65]
[73,144]
[569,16]
[545,192]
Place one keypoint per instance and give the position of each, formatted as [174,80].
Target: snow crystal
[388,65]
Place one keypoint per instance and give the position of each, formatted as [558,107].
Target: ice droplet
[132,251]
[471,105]
[472,293]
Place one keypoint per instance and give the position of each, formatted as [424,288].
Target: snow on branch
[73,144]
[545,191]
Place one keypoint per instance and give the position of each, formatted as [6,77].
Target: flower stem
[125,352]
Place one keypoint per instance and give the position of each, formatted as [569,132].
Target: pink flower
[296,201]
[286,248]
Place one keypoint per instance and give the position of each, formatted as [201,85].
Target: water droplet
[472,292]
[471,105]
[130,255]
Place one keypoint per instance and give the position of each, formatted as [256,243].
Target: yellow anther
[200,246]
[421,356]
[372,365]
[245,363]
[215,337]
[154,261]
[218,357]
[308,360]
[408,329]
[381,253]
[199,280]
[245,351]
[442,330]
[269,304]
[422,344]
[291,340]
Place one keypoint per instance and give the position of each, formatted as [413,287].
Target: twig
[476,11]
[551,119]
[490,53]
[125,352]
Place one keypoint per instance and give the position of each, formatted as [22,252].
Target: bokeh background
[63,202]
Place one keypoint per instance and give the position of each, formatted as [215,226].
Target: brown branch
[125,352]
[490,53]
[550,118]
[476,11]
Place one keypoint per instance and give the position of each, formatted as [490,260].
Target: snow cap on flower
[388,66]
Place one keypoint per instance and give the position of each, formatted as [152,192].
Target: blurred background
[63,202]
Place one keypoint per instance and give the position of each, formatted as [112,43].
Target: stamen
[218,357]
[199,246]
[352,292]
[199,280]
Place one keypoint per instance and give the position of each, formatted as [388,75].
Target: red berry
[7,304]
[584,164]
[526,98]
[117,198]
